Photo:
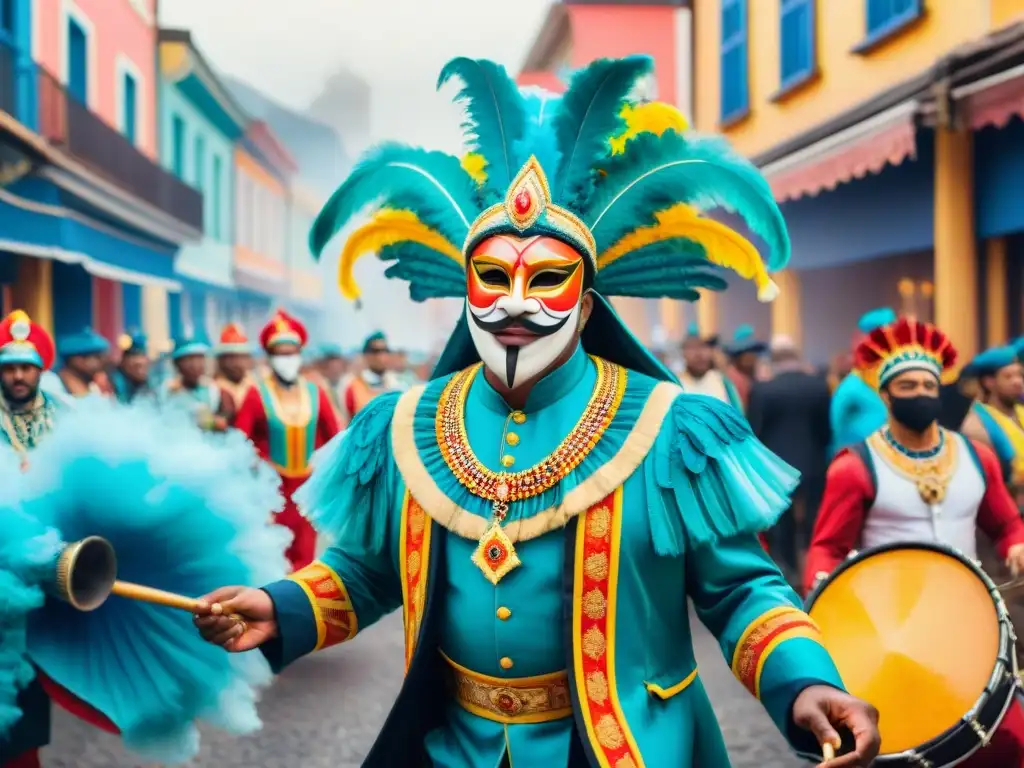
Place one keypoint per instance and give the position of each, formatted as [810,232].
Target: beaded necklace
[930,470]
[495,555]
[24,429]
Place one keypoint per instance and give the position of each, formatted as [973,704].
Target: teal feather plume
[434,182]
[588,116]
[718,478]
[656,172]
[430,275]
[540,140]
[672,269]
[185,514]
[347,497]
[495,116]
[28,550]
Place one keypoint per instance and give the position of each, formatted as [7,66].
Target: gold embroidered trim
[591,491]
[537,699]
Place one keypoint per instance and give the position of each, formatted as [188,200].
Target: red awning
[993,101]
[888,138]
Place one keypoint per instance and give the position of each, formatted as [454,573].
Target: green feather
[431,275]
[495,116]
[433,185]
[588,116]
[655,173]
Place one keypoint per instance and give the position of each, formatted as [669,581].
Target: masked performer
[234,363]
[376,378]
[699,376]
[192,392]
[997,418]
[131,379]
[856,409]
[287,418]
[551,438]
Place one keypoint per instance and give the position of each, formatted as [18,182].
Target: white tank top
[900,514]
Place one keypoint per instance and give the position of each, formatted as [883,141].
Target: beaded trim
[929,453]
[931,475]
[501,486]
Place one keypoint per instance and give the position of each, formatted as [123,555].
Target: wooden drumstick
[159,597]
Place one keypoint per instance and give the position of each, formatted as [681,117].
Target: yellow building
[891,133]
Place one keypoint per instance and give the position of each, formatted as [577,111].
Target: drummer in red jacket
[913,481]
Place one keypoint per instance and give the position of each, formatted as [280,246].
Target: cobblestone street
[326,710]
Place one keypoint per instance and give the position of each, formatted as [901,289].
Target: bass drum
[920,632]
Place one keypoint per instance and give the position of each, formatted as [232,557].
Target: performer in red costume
[914,481]
[288,417]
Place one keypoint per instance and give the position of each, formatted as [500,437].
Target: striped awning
[888,138]
[993,101]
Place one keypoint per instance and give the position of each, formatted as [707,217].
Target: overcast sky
[287,48]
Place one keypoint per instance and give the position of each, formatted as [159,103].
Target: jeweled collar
[548,390]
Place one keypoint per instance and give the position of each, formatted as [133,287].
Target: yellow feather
[475,164]
[722,245]
[653,117]
[388,227]
[18,315]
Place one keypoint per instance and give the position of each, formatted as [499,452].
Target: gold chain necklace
[495,555]
[931,475]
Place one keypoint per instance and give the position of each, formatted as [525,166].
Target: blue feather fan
[184,514]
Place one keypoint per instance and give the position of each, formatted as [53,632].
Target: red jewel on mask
[522,202]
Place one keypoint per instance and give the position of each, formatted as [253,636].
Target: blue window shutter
[178,146]
[78,62]
[884,15]
[130,107]
[796,36]
[735,95]
[200,164]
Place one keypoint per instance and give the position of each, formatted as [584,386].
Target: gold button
[518,417]
[507,461]
[512,439]
[506,662]
[504,613]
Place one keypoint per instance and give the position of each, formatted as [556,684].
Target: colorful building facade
[574,33]
[200,126]
[263,173]
[890,132]
[305,277]
[90,221]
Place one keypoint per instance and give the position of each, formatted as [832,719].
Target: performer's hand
[1015,559]
[822,709]
[216,623]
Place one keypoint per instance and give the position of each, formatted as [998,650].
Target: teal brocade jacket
[664,507]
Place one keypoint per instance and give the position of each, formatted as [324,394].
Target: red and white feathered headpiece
[23,341]
[905,345]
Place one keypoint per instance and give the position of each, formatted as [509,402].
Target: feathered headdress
[626,184]
[903,346]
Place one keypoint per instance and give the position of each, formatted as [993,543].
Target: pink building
[106,51]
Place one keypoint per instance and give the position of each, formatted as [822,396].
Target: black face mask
[915,413]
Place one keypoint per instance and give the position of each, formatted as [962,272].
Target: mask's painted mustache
[497,326]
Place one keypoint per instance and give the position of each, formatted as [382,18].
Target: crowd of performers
[544,509]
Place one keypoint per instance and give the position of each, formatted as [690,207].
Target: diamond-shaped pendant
[495,555]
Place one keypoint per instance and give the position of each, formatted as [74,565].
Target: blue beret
[875,318]
[745,340]
[85,342]
[375,336]
[188,344]
[991,361]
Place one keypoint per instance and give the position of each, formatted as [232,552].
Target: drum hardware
[969,671]
[85,575]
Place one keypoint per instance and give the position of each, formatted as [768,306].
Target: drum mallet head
[85,573]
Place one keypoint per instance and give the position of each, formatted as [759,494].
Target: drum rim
[1006,643]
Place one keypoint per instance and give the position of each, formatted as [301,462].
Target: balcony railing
[69,124]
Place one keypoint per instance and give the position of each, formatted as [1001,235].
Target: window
[129,107]
[215,200]
[796,41]
[78,62]
[199,158]
[734,90]
[887,15]
[178,146]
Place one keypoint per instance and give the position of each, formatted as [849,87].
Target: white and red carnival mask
[523,299]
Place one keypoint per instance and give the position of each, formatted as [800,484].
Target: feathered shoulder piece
[348,493]
[905,345]
[718,479]
[625,183]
